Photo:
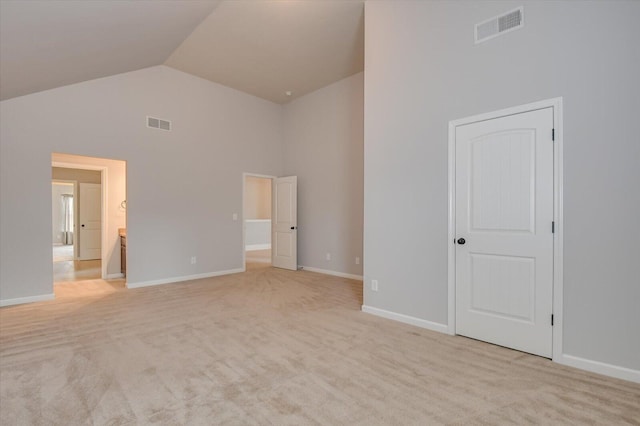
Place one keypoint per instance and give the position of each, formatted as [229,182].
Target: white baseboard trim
[429,325]
[114,276]
[183,278]
[329,272]
[30,299]
[252,247]
[599,367]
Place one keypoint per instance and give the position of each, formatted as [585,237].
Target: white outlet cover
[235,216]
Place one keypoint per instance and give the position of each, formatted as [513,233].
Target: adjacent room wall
[183,185]
[257,213]
[422,70]
[323,146]
[79,175]
[257,202]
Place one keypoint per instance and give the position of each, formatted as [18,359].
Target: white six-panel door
[503,223]
[284,250]
[90,216]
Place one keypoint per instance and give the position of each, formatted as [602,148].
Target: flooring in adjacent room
[258,256]
[66,269]
[271,346]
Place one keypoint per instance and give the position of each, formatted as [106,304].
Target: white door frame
[104,216]
[556,104]
[244,241]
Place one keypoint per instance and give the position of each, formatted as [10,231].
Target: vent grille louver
[499,25]
[157,123]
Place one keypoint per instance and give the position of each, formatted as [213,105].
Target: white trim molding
[114,276]
[253,247]
[330,272]
[599,367]
[183,278]
[28,299]
[429,325]
[556,105]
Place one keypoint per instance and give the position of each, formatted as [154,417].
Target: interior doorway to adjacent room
[257,219]
[75,199]
[88,216]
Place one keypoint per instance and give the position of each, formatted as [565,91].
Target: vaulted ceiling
[262,47]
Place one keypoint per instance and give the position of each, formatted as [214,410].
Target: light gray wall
[182,186]
[323,146]
[422,70]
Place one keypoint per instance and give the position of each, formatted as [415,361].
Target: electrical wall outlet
[328,256]
[374,285]
[357,260]
[235,216]
[194,260]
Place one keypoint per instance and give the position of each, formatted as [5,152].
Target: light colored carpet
[258,256]
[76,270]
[272,347]
[62,253]
[65,269]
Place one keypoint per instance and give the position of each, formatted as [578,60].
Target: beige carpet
[272,347]
[258,256]
[62,253]
[65,269]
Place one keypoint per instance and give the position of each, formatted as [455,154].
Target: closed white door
[90,216]
[504,239]
[284,224]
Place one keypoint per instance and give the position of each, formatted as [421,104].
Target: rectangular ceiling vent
[499,25]
[157,123]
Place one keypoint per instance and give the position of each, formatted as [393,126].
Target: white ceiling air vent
[499,25]
[157,123]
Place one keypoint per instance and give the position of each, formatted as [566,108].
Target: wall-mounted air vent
[157,123]
[499,25]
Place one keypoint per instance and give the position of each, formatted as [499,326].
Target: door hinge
[552,320]
[553,227]
[553,134]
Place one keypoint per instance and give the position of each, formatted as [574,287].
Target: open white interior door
[90,221]
[284,223]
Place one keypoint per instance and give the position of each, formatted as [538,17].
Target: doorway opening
[257,220]
[88,218]
[66,264]
[75,199]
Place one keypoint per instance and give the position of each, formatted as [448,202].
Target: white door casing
[284,222]
[504,209]
[90,212]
